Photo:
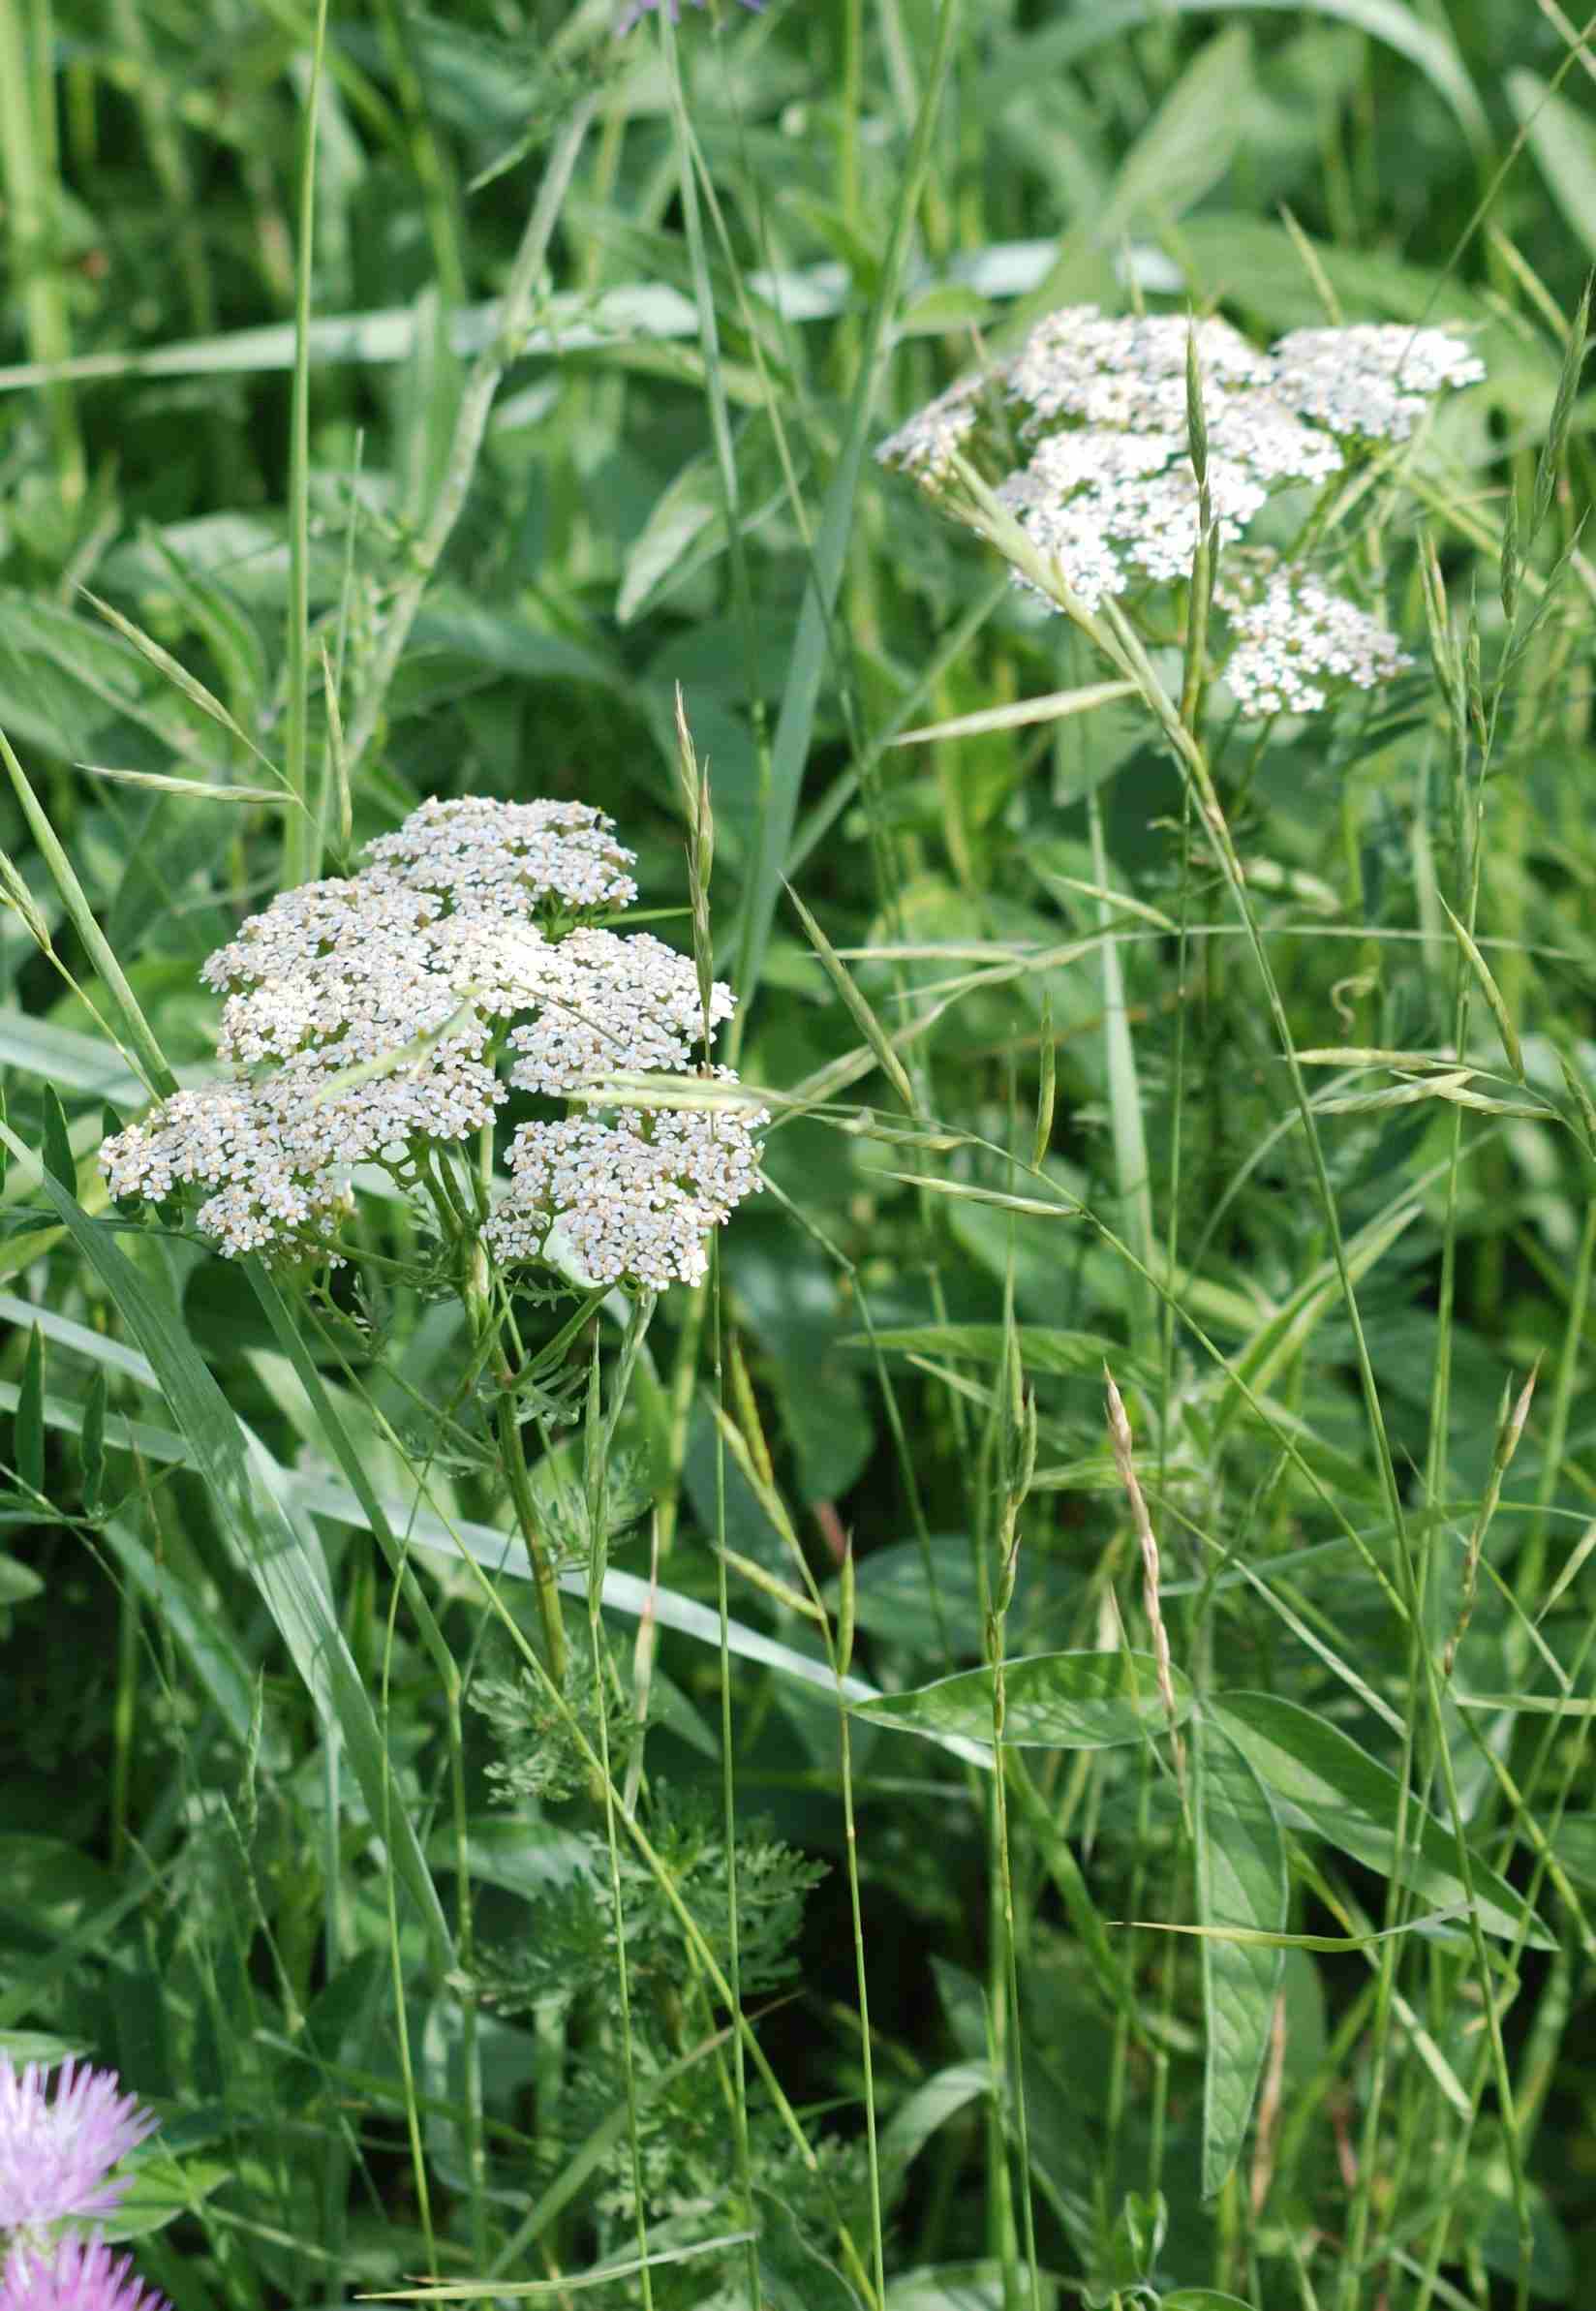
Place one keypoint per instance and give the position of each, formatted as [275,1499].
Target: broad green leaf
[1187,145]
[205,1637]
[72,1062]
[1493,2225]
[159,2189]
[962,2287]
[499,1554]
[1288,1331]
[274,1541]
[1349,1798]
[794,2273]
[1203,2299]
[917,2118]
[1563,140]
[1574,1846]
[1050,53]
[1052,1701]
[18,1581]
[59,1160]
[1241,1882]
[688,517]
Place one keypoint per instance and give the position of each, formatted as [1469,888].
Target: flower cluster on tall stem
[1084,436]
[385,1018]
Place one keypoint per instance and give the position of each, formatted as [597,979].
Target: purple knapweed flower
[75,2275]
[642,8]
[55,2157]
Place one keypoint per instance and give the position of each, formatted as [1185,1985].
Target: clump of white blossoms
[1296,641]
[1094,410]
[386,1016]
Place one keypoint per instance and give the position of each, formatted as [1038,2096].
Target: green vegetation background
[371,2071]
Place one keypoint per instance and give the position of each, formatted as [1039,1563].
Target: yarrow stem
[545,1586]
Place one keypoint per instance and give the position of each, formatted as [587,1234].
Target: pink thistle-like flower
[76,2275]
[55,2157]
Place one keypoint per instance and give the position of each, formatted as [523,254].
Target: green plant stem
[301,825]
[546,1587]
[1193,761]
[728,1778]
[1021,2121]
[851,1837]
[599,1435]
[26,147]
[401,2009]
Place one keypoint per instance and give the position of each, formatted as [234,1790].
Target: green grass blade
[273,1541]
[795,722]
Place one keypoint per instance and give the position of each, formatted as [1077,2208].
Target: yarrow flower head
[373,1017]
[1372,382]
[1096,409]
[57,2151]
[637,1197]
[1299,642]
[75,2275]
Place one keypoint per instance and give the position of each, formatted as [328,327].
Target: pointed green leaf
[1349,1798]
[917,2118]
[1489,988]
[794,2273]
[18,1581]
[811,656]
[59,1160]
[863,1017]
[1241,1882]
[1203,2299]
[1560,136]
[1052,1701]
[174,671]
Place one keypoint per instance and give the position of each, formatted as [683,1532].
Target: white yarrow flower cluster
[637,1197]
[1298,641]
[926,445]
[1108,487]
[373,1014]
[1372,382]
